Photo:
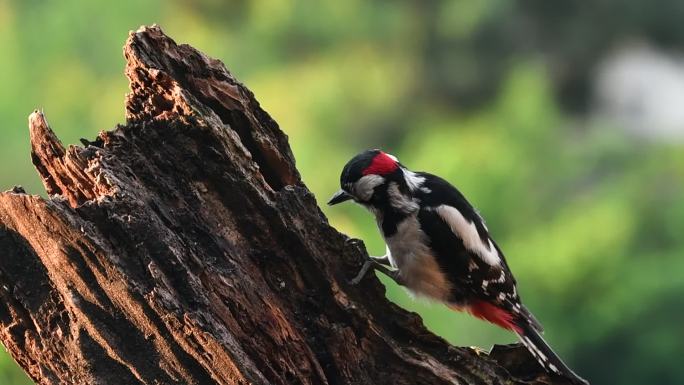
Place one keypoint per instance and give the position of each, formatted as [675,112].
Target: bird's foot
[362,273]
[376,264]
[354,242]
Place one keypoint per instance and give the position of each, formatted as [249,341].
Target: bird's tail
[546,357]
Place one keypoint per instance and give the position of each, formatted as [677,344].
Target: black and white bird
[439,247]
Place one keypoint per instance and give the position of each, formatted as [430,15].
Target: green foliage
[10,373]
[589,218]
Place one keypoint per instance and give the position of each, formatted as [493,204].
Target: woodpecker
[439,247]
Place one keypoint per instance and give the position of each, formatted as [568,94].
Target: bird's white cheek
[366,185]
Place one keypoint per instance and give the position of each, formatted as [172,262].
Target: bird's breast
[410,253]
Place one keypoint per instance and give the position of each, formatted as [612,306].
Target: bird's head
[367,177]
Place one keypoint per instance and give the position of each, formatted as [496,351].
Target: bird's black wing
[464,249]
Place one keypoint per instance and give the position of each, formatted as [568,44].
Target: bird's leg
[377,263]
[384,260]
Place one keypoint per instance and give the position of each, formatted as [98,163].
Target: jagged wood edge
[87,181]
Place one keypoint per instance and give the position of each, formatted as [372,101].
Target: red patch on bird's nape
[494,314]
[382,164]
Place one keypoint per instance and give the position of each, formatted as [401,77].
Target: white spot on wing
[472,265]
[468,234]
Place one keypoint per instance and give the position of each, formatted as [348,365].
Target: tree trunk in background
[183,248]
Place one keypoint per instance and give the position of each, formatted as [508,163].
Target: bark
[183,248]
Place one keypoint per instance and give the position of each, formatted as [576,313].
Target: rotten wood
[183,248]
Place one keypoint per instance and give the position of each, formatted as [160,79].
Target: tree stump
[183,248]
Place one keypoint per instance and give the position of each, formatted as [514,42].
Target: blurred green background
[563,122]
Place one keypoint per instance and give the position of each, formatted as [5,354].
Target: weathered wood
[183,248]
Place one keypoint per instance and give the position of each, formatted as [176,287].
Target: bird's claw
[374,264]
[362,273]
[354,242]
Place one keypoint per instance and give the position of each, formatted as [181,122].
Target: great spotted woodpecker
[439,247]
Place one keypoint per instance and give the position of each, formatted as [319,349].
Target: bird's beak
[339,197]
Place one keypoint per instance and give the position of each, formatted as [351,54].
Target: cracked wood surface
[183,248]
